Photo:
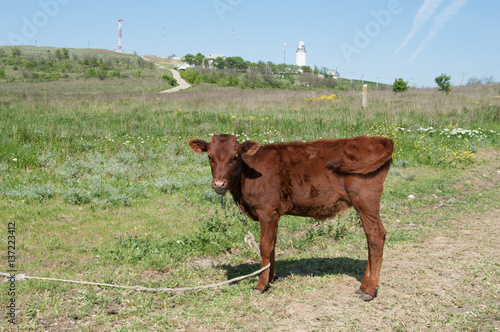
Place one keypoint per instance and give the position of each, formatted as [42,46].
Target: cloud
[425,11]
[440,21]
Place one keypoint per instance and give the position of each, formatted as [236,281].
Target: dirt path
[182,82]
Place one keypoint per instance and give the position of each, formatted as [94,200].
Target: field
[101,185]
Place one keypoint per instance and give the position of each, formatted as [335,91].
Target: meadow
[101,185]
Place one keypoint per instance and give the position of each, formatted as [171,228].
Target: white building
[210,60]
[301,54]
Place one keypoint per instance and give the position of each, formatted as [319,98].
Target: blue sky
[379,40]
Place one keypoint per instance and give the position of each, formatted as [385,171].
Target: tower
[119,35]
[301,54]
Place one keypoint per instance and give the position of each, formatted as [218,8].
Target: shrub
[168,185]
[443,81]
[42,192]
[170,80]
[232,81]
[76,196]
[399,85]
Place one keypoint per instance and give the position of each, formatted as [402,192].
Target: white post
[365,95]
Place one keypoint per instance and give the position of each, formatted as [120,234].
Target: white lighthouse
[301,54]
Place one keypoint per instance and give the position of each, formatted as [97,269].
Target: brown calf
[312,179]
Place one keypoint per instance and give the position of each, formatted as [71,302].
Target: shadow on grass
[320,266]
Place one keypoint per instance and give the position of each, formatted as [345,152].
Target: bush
[399,85]
[232,81]
[191,76]
[443,81]
[168,185]
[169,80]
[76,196]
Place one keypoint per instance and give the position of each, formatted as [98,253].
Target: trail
[182,83]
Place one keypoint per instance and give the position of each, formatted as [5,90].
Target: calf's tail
[362,155]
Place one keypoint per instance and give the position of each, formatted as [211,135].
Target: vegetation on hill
[235,71]
[51,64]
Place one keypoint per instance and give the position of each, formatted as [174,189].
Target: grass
[102,187]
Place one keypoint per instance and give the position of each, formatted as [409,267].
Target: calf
[316,179]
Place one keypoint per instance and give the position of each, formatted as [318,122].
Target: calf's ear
[197,145]
[249,147]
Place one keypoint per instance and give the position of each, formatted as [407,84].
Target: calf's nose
[219,186]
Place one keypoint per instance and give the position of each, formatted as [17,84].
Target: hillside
[62,70]
[31,64]
[35,64]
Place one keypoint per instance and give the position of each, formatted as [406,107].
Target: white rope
[22,277]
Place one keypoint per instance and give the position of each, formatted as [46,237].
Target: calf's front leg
[268,232]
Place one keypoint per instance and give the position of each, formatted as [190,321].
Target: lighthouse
[301,54]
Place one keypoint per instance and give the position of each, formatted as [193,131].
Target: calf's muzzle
[220,186]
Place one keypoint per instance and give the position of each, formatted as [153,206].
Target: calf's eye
[235,158]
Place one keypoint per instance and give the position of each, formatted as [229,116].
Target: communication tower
[120,21]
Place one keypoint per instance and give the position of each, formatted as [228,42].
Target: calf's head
[224,154]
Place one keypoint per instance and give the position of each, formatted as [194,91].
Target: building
[301,54]
[334,74]
[211,59]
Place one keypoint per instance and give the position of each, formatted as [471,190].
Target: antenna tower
[120,35]
[284,47]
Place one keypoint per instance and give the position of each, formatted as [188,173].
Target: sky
[377,40]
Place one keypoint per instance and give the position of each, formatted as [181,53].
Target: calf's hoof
[364,296]
[260,291]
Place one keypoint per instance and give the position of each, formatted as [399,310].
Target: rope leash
[22,277]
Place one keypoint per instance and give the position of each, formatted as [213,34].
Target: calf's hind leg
[369,211]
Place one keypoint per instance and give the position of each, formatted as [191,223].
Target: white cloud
[440,21]
[425,11]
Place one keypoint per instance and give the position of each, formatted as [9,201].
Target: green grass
[102,187]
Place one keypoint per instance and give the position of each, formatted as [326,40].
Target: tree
[189,58]
[198,59]
[443,81]
[236,62]
[220,63]
[16,52]
[399,85]
[306,69]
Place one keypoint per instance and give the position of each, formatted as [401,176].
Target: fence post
[365,95]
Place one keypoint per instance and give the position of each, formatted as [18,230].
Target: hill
[31,64]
